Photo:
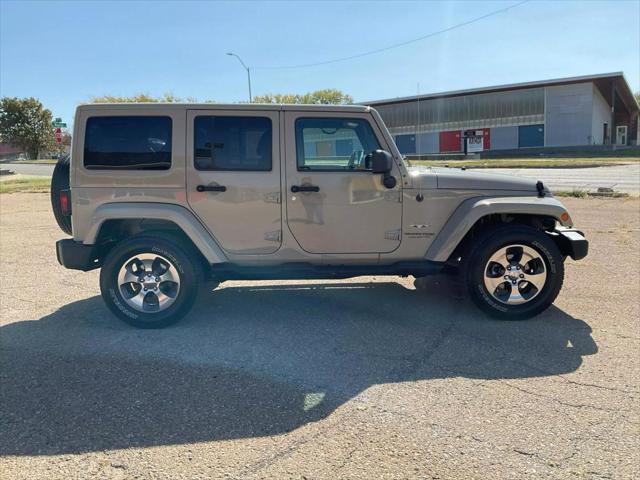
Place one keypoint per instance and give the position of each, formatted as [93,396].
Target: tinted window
[233,143]
[328,144]
[128,143]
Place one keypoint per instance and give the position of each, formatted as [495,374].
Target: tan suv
[165,196]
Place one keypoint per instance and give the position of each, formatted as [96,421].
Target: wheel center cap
[514,273]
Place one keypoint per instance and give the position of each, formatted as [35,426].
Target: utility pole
[231,54]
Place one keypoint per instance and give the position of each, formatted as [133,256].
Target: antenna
[418,124]
[419,196]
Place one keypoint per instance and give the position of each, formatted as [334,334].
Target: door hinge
[272,197]
[392,234]
[274,236]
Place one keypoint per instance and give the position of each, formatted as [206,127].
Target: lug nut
[514,282]
[521,276]
[506,277]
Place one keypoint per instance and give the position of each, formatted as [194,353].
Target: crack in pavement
[566,404]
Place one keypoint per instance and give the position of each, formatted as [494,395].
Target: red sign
[58,130]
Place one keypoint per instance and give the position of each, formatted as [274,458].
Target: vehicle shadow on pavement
[252,361]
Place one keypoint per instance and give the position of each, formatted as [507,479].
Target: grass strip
[25,184]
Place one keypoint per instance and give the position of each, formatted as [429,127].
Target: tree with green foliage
[25,123]
[144,98]
[328,96]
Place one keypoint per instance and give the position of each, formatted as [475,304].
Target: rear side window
[233,143]
[127,143]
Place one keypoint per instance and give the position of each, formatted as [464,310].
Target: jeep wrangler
[163,197]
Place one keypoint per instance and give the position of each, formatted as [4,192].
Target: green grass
[25,184]
[41,161]
[586,194]
[577,162]
[572,193]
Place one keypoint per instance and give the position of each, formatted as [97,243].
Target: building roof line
[497,88]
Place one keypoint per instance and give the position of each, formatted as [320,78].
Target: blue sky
[66,52]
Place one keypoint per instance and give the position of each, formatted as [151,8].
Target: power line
[396,45]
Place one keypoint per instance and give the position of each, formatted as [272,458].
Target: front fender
[473,209]
[176,214]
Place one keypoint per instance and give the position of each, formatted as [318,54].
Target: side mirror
[381,161]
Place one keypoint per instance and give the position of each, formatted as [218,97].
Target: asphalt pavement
[33,169]
[366,378]
[622,178]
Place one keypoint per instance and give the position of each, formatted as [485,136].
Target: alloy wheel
[149,282]
[515,274]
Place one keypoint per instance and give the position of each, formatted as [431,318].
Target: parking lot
[366,378]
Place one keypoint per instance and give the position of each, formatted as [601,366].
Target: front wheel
[514,272]
[150,282]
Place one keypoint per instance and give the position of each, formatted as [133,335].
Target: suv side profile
[163,197]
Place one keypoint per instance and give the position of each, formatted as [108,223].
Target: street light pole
[231,54]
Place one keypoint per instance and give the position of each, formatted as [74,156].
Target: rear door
[335,204]
[233,177]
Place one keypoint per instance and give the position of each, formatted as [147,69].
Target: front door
[621,135]
[233,177]
[335,204]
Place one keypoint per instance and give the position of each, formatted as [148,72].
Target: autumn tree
[25,123]
[329,96]
[145,98]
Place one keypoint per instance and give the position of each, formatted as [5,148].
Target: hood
[458,179]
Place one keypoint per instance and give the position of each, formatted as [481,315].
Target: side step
[302,271]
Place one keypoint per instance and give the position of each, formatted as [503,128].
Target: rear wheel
[514,272]
[150,282]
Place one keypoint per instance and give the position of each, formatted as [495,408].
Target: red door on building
[486,139]
[450,141]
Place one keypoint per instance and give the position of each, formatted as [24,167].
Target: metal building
[567,112]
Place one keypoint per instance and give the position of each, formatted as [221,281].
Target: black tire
[490,242]
[174,249]
[60,181]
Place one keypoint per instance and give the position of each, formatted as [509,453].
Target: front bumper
[571,242]
[77,255]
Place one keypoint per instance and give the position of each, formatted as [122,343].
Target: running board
[302,271]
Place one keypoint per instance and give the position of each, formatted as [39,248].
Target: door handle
[211,188]
[304,188]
